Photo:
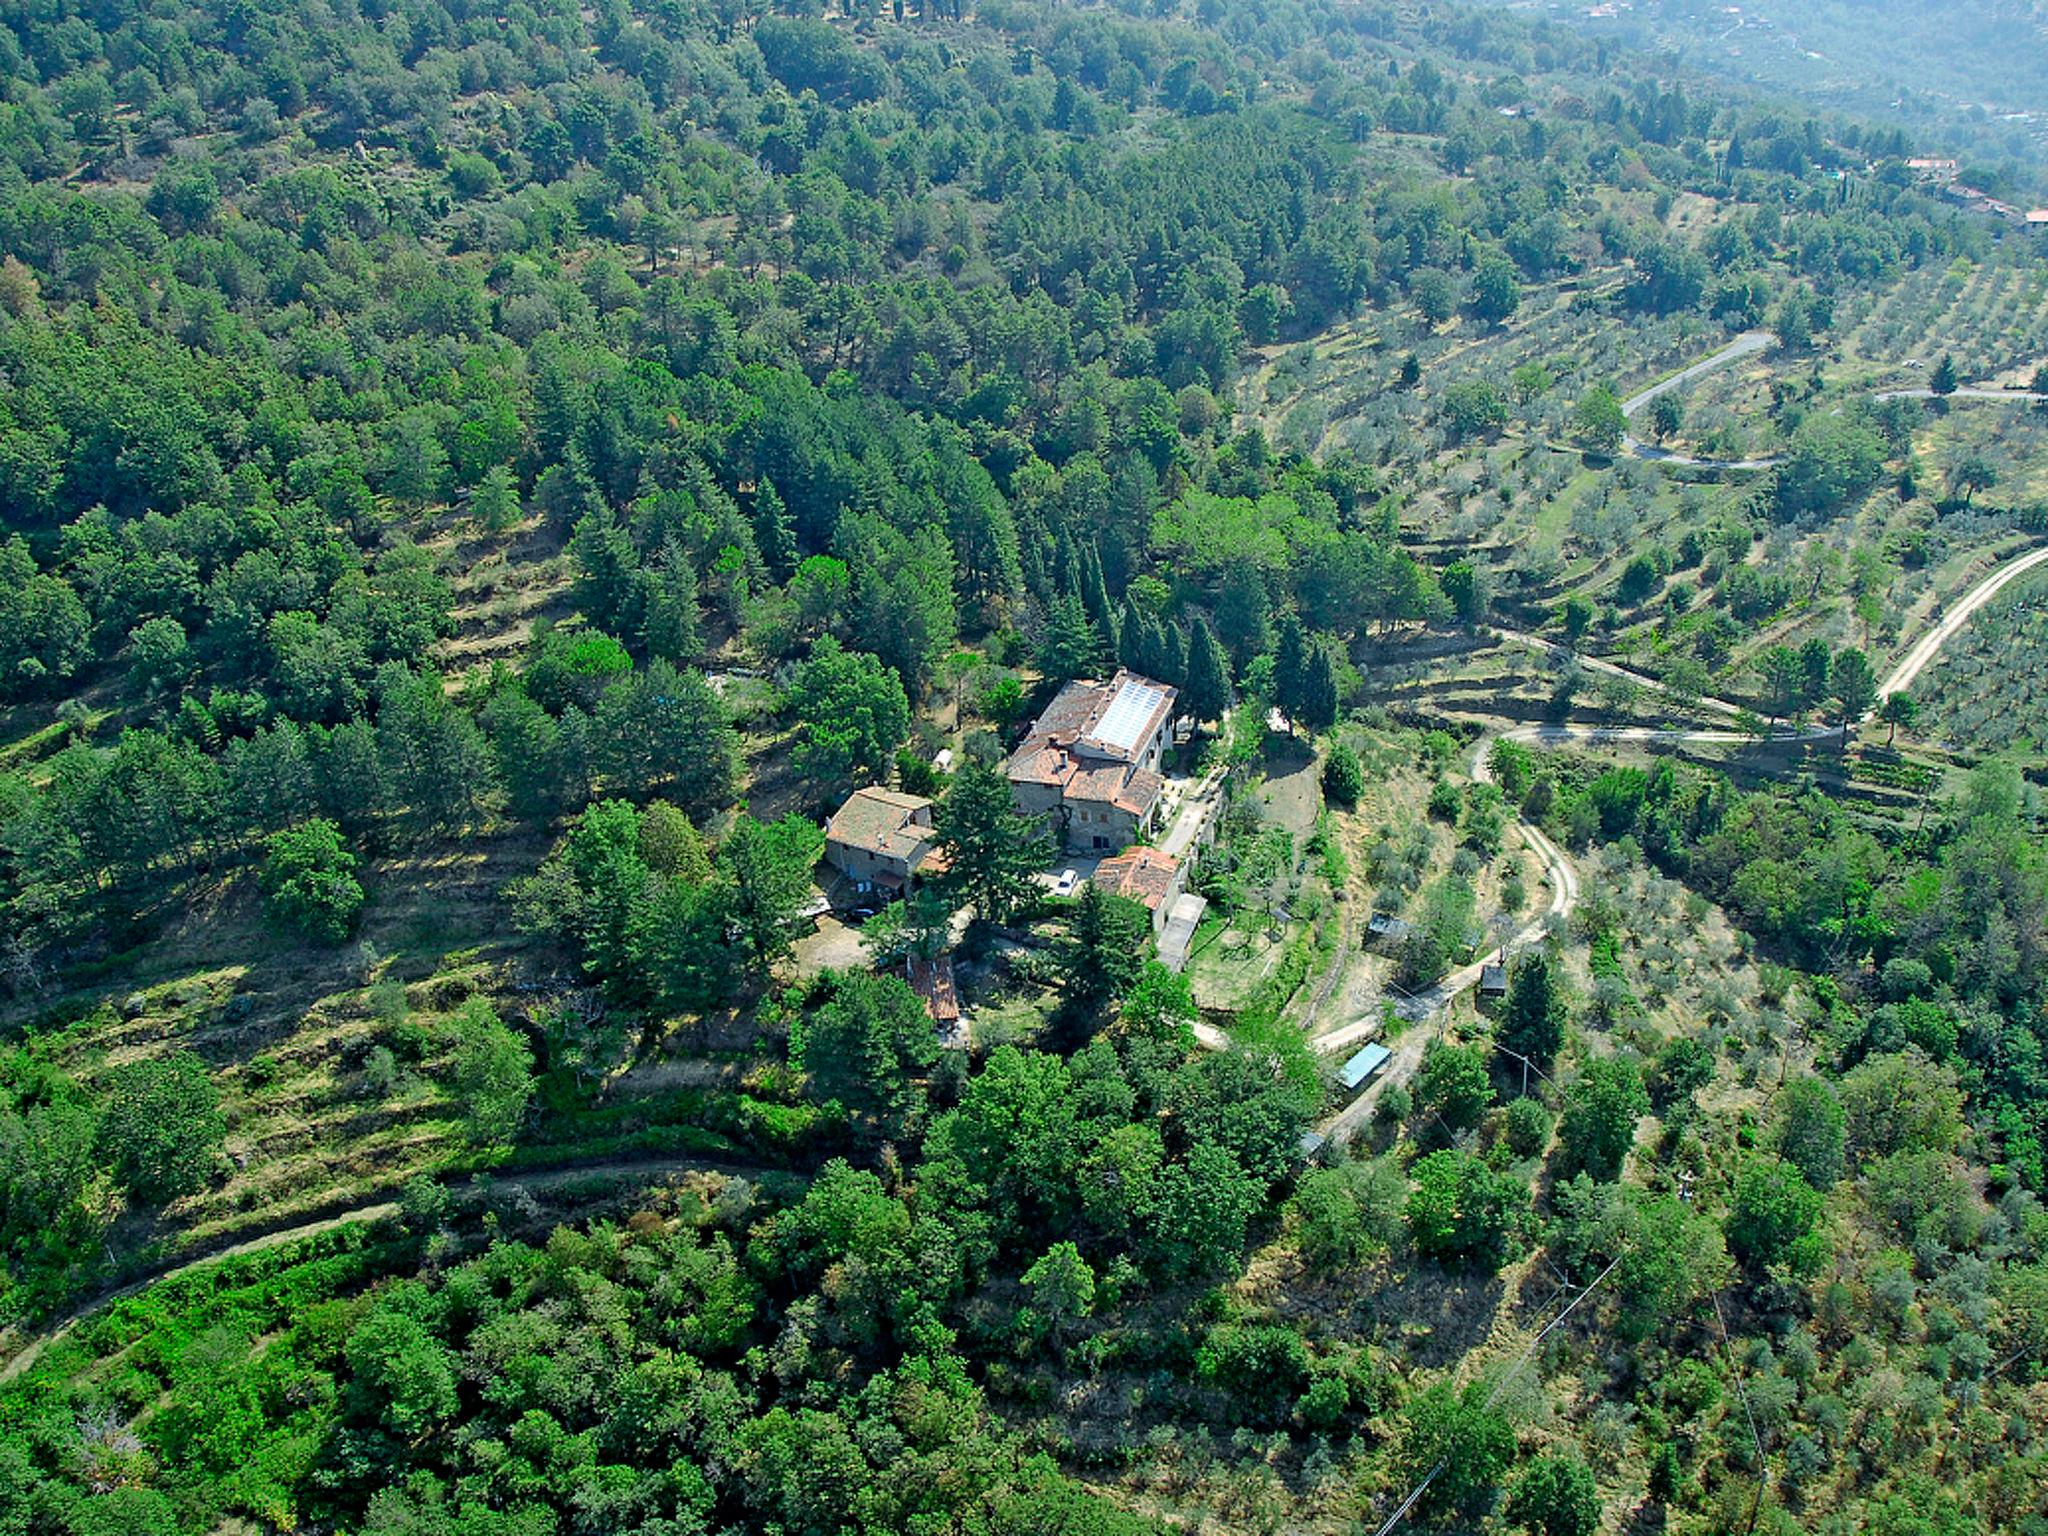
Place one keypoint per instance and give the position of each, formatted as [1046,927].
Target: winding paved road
[1748,344]
[1558,869]
[1611,669]
[1929,645]
[1972,393]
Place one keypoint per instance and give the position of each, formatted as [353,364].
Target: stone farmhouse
[1091,763]
[882,838]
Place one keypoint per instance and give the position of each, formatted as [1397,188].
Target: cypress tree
[1173,656]
[1290,665]
[1207,691]
[1532,1022]
[1135,647]
[1318,707]
[1094,594]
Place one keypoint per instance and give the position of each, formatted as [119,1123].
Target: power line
[1763,1464]
[1500,1387]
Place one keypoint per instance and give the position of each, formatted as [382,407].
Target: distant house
[2037,218]
[1493,981]
[881,837]
[1090,764]
[1146,875]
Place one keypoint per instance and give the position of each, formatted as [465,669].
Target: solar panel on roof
[1127,716]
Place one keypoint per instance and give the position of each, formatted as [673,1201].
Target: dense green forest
[481,484]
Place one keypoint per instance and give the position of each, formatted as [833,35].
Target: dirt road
[1929,645]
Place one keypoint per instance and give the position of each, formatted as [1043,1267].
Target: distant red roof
[932,980]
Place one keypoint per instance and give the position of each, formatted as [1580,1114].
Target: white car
[1064,886]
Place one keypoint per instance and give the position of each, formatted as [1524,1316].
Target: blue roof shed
[1364,1064]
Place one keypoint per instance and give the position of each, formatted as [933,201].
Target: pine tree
[1944,380]
[496,502]
[1070,646]
[1207,691]
[774,530]
[670,625]
[1852,685]
[1111,937]
[992,850]
[1243,614]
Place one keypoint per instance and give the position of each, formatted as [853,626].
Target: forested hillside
[1970,78]
[482,485]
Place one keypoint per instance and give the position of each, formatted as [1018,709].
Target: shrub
[1772,1214]
[1463,1212]
[1526,1127]
[1555,1496]
[1343,776]
[161,1128]
[309,880]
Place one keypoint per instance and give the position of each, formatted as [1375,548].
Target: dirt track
[541,1178]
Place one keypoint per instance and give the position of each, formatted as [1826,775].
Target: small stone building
[881,837]
[1145,875]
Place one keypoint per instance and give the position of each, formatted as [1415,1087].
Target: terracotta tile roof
[1142,874]
[932,980]
[1063,748]
[1128,789]
[1037,763]
[880,821]
[1141,792]
[1098,783]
